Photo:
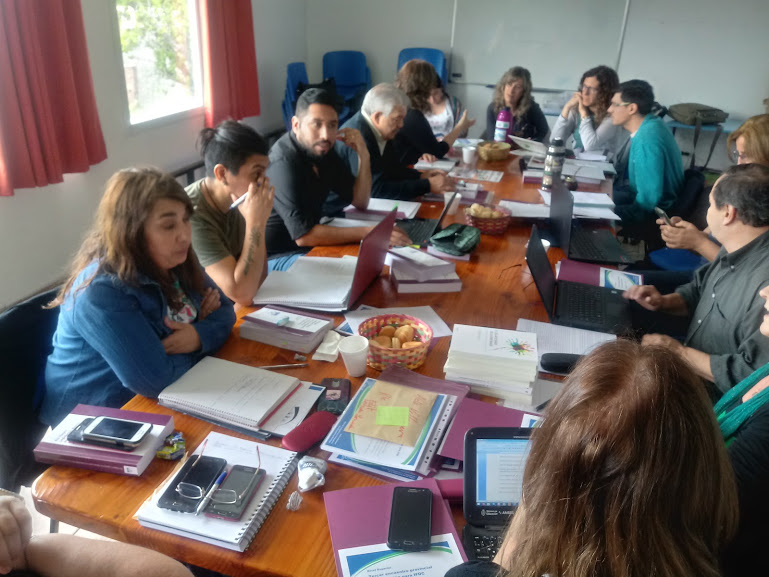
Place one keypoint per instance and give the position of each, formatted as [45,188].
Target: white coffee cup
[454,205]
[354,352]
[469,154]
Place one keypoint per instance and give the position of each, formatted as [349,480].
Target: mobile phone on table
[109,431]
[410,524]
[241,483]
[199,473]
[663,215]
[336,397]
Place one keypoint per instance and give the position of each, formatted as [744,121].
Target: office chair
[352,76]
[296,74]
[431,55]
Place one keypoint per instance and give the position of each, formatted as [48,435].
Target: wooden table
[497,291]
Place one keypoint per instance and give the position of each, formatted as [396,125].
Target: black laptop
[421,229]
[580,242]
[574,304]
[495,458]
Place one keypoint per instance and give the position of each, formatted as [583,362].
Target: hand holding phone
[663,215]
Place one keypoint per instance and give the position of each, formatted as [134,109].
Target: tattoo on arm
[253,241]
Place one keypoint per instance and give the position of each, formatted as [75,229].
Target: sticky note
[396,416]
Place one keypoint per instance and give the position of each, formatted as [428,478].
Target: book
[378,208]
[279,465]
[445,164]
[55,449]
[286,329]
[418,264]
[596,275]
[229,393]
[407,284]
[359,518]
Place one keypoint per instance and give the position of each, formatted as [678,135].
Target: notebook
[577,242]
[278,465]
[329,284]
[575,304]
[378,208]
[495,459]
[229,393]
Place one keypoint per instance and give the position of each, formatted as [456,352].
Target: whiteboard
[556,40]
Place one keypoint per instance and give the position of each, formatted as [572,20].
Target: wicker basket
[380,357]
[490,225]
[493,151]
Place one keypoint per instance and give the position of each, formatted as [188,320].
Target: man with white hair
[379,120]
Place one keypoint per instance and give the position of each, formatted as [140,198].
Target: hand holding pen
[256,204]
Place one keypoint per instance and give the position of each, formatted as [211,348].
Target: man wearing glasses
[654,171]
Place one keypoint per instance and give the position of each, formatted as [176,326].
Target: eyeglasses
[618,104]
[588,89]
[737,156]
[222,496]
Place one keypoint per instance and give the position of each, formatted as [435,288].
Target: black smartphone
[410,524]
[197,471]
[663,215]
[243,482]
[336,397]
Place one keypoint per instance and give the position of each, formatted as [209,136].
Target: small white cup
[454,205]
[469,154]
[354,351]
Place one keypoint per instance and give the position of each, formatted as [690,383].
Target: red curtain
[49,124]
[229,60]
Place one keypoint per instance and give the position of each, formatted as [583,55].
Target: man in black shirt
[305,167]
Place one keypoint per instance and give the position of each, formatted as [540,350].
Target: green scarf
[730,421]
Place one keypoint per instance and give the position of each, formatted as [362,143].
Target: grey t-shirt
[215,236]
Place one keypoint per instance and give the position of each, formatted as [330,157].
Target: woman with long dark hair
[137,310]
[513,91]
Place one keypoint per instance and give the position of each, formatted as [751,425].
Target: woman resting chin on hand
[137,310]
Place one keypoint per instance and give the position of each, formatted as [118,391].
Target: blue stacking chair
[432,55]
[296,73]
[349,70]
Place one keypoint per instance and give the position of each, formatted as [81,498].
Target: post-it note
[395,416]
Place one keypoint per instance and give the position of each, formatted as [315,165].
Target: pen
[207,499]
[287,366]
[238,202]
[282,322]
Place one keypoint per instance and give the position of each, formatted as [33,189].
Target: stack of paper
[283,328]
[496,362]
[378,208]
[418,263]
[441,164]
[406,283]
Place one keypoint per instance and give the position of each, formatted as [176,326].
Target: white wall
[41,228]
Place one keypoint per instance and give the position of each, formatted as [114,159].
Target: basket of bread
[487,218]
[493,151]
[396,339]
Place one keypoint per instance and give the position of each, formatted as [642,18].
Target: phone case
[336,397]
[311,431]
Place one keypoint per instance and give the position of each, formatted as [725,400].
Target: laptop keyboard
[485,547]
[419,231]
[581,302]
[590,245]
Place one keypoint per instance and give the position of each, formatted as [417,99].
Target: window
[161,57]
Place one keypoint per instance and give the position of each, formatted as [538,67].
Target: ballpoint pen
[287,366]
[207,499]
[238,202]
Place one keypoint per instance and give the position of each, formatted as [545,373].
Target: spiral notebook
[278,464]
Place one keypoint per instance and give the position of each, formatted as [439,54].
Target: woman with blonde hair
[513,91]
[418,79]
[137,310]
[749,144]
[627,476]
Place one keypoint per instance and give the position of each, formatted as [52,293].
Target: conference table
[497,291]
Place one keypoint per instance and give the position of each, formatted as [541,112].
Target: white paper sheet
[526,209]
[378,560]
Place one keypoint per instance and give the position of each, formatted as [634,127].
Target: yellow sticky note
[396,416]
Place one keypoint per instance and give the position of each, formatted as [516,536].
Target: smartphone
[663,215]
[243,481]
[118,432]
[199,471]
[410,524]
[336,397]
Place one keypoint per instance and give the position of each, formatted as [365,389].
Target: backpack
[692,113]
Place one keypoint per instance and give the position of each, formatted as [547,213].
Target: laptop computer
[371,257]
[589,244]
[421,229]
[495,458]
[574,304]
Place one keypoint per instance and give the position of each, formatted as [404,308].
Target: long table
[497,291]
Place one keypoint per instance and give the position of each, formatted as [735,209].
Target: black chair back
[691,192]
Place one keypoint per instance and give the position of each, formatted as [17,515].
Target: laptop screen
[371,257]
[539,266]
[561,214]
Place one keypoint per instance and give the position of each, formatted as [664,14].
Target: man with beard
[304,168]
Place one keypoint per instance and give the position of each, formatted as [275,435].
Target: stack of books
[496,362]
[415,271]
[283,328]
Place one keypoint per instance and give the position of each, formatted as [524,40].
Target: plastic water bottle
[504,125]
[556,153]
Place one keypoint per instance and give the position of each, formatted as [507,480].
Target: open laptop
[421,229]
[589,244]
[371,257]
[495,458]
[575,304]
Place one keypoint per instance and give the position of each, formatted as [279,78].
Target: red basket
[490,225]
[380,357]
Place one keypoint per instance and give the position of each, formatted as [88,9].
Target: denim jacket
[107,346]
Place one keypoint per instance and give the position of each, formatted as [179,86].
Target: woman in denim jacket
[137,310]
